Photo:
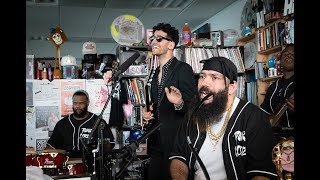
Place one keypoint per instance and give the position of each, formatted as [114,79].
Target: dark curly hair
[171,31]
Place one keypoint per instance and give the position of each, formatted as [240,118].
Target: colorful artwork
[68,87]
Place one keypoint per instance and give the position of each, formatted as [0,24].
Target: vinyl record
[250,54]
[127,30]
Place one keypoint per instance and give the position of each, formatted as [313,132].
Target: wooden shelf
[247,38]
[271,50]
[270,78]
[250,69]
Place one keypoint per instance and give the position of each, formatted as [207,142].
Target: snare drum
[51,158]
[74,166]
[30,156]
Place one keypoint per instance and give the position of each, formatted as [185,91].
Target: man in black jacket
[71,132]
[232,137]
[280,94]
[167,108]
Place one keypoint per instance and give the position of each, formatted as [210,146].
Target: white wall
[228,18]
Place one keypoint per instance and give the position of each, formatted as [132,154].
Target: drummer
[71,132]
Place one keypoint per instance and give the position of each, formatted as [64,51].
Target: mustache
[204,90]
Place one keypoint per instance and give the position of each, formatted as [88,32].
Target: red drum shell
[52,158]
[30,155]
[74,166]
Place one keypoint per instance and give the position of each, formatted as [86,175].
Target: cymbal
[61,151]
[74,161]
[30,151]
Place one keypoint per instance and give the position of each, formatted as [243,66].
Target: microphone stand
[101,126]
[130,149]
[205,172]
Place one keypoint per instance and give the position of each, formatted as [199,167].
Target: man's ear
[233,87]
[171,45]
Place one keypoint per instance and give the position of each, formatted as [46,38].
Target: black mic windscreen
[125,65]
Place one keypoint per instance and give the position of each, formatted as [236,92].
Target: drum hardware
[30,156]
[74,167]
[94,151]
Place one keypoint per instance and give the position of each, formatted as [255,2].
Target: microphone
[129,151]
[125,65]
[201,103]
[205,172]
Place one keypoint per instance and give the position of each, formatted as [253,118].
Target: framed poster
[216,38]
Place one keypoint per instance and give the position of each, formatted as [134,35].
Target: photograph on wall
[29,94]
[68,87]
[44,117]
[53,118]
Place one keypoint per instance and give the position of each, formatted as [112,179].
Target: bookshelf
[194,54]
[270,40]
[134,80]
[250,78]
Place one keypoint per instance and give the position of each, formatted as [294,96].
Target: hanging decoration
[58,37]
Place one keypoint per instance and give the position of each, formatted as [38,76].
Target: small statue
[247,32]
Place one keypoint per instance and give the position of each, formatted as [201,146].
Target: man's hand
[147,115]
[174,95]
[290,104]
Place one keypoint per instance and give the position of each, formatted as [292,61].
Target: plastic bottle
[44,73]
[186,34]
[50,77]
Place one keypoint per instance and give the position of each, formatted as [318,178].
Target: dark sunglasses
[159,38]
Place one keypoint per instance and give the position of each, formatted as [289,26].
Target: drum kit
[56,163]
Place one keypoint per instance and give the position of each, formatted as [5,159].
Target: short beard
[210,113]
[82,114]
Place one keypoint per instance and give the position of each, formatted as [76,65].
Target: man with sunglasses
[167,107]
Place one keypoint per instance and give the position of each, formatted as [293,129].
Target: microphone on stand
[205,172]
[128,152]
[124,66]
[133,146]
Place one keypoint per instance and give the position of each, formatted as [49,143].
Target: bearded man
[224,137]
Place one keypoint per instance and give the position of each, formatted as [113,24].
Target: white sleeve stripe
[177,157]
[264,172]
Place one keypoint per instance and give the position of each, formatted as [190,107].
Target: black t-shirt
[70,134]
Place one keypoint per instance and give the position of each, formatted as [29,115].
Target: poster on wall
[46,92]
[99,93]
[30,126]
[46,117]
[68,87]
[29,94]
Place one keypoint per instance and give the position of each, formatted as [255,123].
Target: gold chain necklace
[215,138]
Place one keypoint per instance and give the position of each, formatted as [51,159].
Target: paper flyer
[68,87]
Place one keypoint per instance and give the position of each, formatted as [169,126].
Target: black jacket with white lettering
[247,144]
[68,131]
